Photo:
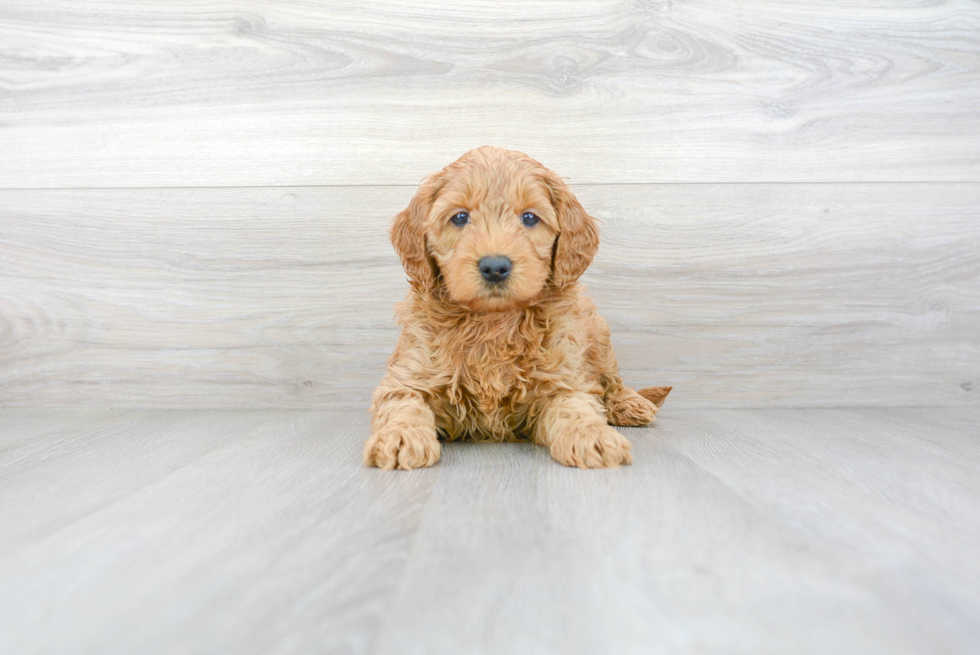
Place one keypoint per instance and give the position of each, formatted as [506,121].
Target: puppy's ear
[578,233]
[408,233]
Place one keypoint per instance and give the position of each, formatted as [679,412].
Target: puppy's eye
[460,219]
[529,219]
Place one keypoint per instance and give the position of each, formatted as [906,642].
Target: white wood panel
[774,531]
[107,94]
[759,295]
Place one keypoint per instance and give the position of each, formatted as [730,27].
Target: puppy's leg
[403,432]
[623,405]
[573,427]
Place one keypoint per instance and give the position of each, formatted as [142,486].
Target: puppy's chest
[494,373]
[491,383]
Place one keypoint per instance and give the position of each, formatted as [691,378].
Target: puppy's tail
[656,395]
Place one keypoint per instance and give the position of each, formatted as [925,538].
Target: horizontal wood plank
[758,295]
[98,94]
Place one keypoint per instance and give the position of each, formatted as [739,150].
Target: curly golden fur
[526,357]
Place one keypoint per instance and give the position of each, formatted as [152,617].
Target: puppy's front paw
[403,447]
[591,446]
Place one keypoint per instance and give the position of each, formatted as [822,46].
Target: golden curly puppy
[498,341]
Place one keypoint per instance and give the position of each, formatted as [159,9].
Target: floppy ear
[408,234]
[578,234]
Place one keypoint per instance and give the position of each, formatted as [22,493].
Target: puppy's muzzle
[495,269]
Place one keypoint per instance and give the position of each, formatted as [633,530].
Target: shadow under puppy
[498,341]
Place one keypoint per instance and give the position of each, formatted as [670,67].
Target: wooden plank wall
[194,196]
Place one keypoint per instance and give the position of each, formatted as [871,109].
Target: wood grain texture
[736,295]
[770,531]
[176,526]
[760,531]
[184,93]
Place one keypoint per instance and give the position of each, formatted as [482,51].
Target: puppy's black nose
[495,269]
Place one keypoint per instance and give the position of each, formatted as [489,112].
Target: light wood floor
[735,531]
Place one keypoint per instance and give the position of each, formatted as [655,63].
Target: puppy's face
[491,234]
[495,227]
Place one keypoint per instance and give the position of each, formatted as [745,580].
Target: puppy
[498,341]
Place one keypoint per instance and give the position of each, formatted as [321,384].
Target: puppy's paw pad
[630,408]
[401,448]
[591,446]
